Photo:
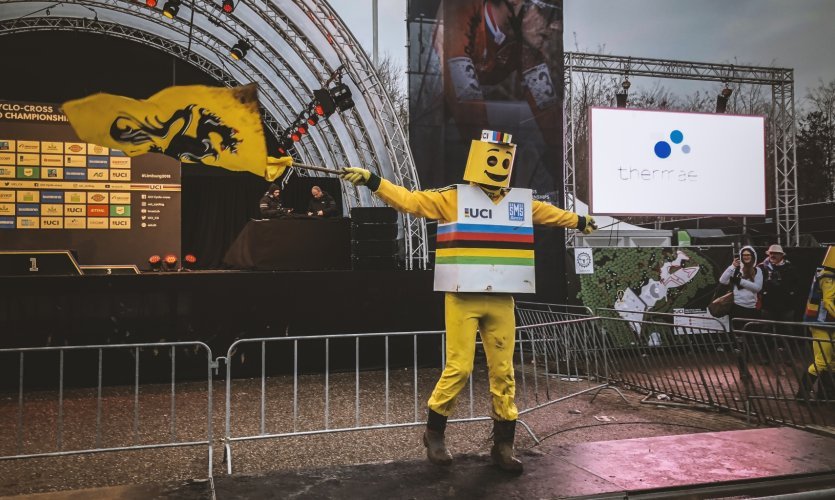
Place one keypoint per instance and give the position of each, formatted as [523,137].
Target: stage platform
[746,463]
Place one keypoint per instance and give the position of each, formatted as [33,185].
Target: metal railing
[68,425]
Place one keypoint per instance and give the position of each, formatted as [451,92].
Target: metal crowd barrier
[66,424]
[331,398]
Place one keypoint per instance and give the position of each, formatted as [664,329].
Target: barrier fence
[65,402]
[362,382]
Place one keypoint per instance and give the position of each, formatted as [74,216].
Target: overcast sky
[798,34]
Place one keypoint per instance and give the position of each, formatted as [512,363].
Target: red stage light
[296,137]
[170,259]
[228,6]
[151,3]
[302,130]
[282,151]
[313,120]
[189,261]
[155,261]
[320,110]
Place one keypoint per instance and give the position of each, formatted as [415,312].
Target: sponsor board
[75,173]
[8,196]
[75,148]
[97,174]
[7,145]
[98,161]
[7,209]
[100,198]
[52,173]
[52,160]
[52,147]
[75,197]
[97,211]
[75,223]
[28,147]
[119,223]
[119,162]
[97,223]
[7,222]
[117,152]
[120,198]
[75,161]
[28,222]
[52,197]
[28,172]
[75,210]
[28,209]
[95,149]
[28,196]
[6,158]
[52,222]
[120,175]
[120,210]
[7,172]
[53,209]
[29,159]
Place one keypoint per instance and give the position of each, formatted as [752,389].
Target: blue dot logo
[663,149]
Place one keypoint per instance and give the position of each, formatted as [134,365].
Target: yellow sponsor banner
[28,222]
[98,198]
[120,175]
[7,172]
[52,147]
[97,223]
[52,173]
[75,148]
[120,198]
[7,145]
[6,158]
[75,223]
[53,209]
[95,149]
[52,160]
[29,159]
[28,146]
[75,161]
[97,174]
[119,162]
[75,210]
[9,197]
[28,196]
[75,197]
[7,208]
[52,222]
[119,223]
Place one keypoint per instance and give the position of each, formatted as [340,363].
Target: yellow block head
[491,160]
[829,258]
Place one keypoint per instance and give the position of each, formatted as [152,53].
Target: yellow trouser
[823,351]
[493,316]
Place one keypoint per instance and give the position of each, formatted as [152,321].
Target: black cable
[621,423]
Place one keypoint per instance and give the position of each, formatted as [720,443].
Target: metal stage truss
[782,127]
[295,47]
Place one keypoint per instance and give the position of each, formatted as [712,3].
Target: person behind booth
[270,204]
[820,309]
[321,204]
[485,253]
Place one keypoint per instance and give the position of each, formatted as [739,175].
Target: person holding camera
[746,279]
[779,293]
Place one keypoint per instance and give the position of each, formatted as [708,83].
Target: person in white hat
[780,296]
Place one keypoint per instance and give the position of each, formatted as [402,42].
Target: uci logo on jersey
[478,213]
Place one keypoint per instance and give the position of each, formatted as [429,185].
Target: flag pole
[318,169]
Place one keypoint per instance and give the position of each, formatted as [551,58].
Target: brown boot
[433,439]
[504,431]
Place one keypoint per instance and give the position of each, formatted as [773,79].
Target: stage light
[325,105]
[342,97]
[155,261]
[240,49]
[282,151]
[722,99]
[172,7]
[302,129]
[622,96]
[151,3]
[295,136]
[170,262]
[228,6]
[189,261]
[313,120]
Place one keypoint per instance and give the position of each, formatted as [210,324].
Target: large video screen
[59,193]
[663,163]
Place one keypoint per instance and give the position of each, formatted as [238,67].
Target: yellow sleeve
[548,215]
[440,205]
[828,294]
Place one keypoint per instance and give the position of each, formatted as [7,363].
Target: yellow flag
[277,166]
[214,126]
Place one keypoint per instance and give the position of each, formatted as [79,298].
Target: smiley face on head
[490,163]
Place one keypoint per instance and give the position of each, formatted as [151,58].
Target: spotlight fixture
[621,97]
[240,49]
[342,97]
[228,6]
[325,105]
[151,3]
[171,8]
[189,261]
[722,99]
[170,262]
[313,120]
[295,136]
[155,261]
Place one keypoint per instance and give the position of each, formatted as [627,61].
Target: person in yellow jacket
[484,254]
[821,309]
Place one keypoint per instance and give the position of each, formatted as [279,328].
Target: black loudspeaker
[373,238]
[105,270]
[38,263]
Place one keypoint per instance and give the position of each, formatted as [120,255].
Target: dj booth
[292,243]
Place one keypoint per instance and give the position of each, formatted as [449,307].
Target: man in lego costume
[484,254]
[821,309]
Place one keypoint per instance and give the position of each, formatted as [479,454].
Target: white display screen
[662,163]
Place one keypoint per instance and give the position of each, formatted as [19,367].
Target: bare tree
[393,78]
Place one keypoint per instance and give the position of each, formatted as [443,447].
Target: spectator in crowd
[779,292]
